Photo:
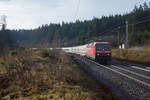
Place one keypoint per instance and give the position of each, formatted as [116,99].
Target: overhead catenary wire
[122,26]
[77,10]
[143,21]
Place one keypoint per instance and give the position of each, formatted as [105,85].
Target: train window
[103,46]
[90,44]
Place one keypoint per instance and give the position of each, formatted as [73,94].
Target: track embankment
[137,56]
[128,81]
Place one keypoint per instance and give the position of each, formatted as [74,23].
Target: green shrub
[45,53]
[13,52]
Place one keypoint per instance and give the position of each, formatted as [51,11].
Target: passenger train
[98,51]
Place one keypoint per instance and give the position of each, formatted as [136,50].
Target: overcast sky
[26,14]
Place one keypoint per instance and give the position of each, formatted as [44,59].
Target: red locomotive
[99,51]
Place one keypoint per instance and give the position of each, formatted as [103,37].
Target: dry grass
[28,75]
[140,56]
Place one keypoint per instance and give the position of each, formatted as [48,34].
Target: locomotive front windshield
[102,46]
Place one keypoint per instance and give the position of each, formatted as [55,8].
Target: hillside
[105,28]
[47,75]
[132,55]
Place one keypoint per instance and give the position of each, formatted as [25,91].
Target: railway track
[130,82]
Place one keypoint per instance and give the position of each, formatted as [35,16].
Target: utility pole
[3,27]
[118,36]
[126,44]
[3,21]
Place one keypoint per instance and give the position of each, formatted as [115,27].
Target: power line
[122,26]
[143,21]
[77,10]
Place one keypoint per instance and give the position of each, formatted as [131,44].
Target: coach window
[92,44]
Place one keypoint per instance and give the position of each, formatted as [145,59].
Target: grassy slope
[37,75]
[140,56]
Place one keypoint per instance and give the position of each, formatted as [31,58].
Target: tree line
[106,28]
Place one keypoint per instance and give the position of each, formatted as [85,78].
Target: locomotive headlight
[108,54]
